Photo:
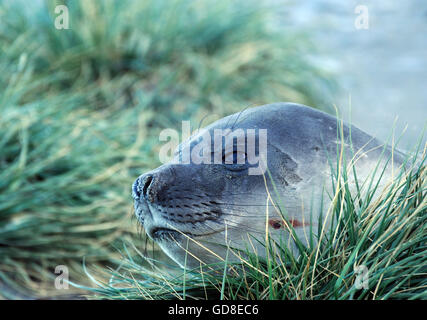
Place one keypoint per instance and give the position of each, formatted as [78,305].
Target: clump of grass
[218,55]
[374,249]
[65,177]
[81,109]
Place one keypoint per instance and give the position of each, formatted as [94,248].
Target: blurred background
[81,108]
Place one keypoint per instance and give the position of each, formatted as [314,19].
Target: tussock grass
[81,111]
[374,248]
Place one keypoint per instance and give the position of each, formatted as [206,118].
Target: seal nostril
[140,186]
[147,183]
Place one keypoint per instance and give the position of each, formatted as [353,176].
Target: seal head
[229,195]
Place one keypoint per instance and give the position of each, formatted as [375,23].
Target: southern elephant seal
[199,207]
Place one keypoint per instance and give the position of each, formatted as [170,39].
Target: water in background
[383,68]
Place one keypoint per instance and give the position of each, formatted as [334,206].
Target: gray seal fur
[202,208]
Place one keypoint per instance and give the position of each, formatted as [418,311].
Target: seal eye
[234,157]
[235,161]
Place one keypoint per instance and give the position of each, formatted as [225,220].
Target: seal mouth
[162,234]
